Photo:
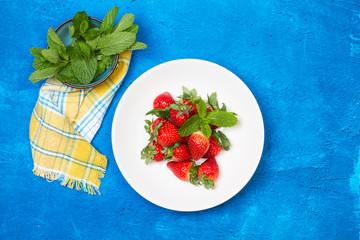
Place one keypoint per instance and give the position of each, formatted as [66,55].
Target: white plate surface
[155,182]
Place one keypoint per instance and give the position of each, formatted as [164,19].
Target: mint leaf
[43,74]
[84,48]
[223,108]
[109,19]
[93,42]
[66,75]
[108,60]
[72,31]
[206,130]
[84,26]
[115,43]
[221,118]
[51,55]
[36,52]
[38,64]
[55,42]
[202,108]
[133,28]
[125,22]
[137,45]
[79,18]
[84,68]
[101,66]
[190,126]
[91,33]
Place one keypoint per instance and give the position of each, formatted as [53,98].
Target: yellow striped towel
[64,122]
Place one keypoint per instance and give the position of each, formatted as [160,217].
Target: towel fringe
[67,181]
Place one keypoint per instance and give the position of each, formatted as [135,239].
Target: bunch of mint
[92,50]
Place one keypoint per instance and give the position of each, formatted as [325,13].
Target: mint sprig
[92,50]
[204,118]
[190,126]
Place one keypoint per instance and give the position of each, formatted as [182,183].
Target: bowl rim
[90,85]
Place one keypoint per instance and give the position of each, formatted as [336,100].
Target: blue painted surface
[299,58]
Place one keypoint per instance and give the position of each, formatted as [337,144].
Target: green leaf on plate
[221,118]
[190,126]
[202,108]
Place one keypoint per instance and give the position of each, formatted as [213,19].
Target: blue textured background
[299,58]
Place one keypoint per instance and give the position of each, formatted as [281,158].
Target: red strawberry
[180,153]
[167,134]
[157,121]
[214,149]
[198,144]
[193,107]
[186,171]
[180,112]
[185,140]
[163,100]
[213,127]
[208,172]
[153,152]
[177,117]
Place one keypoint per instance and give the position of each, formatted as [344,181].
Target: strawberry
[214,149]
[153,152]
[163,100]
[186,171]
[177,117]
[198,144]
[157,121]
[180,112]
[185,140]
[178,153]
[166,134]
[208,172]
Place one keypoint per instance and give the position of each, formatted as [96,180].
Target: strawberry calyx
[151,130]
[162,113]
[221,139]
[193,175]
[148,153]
[169,151]
[181,107]
[208,183]
[148,126]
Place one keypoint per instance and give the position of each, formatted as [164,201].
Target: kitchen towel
[64,122]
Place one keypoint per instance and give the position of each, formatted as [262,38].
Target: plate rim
[132,85]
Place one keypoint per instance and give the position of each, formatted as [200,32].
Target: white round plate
[154,181]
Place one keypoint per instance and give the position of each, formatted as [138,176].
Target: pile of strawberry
[186,130]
